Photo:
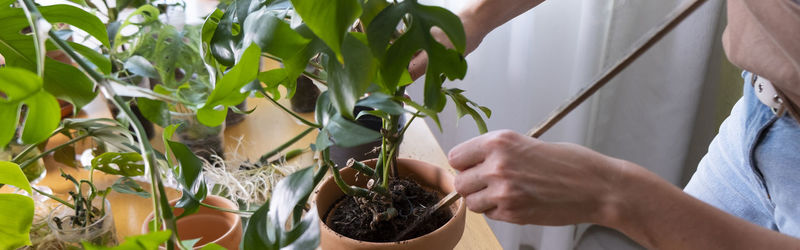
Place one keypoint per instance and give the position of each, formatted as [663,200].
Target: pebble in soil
[353,217]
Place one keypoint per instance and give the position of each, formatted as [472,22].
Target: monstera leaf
[442,62]
[61,80]
[22,87]
[267,228]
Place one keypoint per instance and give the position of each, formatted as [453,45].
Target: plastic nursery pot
[427,175]
[340,155]
[204,141]
[209,225]
[99,233]
[305,96]
[233,118]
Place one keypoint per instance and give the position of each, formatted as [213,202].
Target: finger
[471,180]
[467,154]
[479,202]
[495,214]
[418,65]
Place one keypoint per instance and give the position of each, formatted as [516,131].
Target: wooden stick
[652,38]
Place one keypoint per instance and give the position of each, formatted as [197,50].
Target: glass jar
[101,232]
[35,171]
[204,141]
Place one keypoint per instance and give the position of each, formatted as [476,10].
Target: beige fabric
[763,37]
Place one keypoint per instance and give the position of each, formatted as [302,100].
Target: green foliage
[267,228]
[329,20]
[227,92]
[463,108]
[22,87]
[347,83]
[126,185]
[127,164]
[442,62]
[193,186]
[16,211]
[19,51]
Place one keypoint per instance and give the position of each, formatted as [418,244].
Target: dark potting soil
[353,217]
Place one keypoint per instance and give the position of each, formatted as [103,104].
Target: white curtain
[527,67]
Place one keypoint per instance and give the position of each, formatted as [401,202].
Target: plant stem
[160,202]
[265,158]
[293,114]
[59,200]
[30,147]
[35,158]
[337,178]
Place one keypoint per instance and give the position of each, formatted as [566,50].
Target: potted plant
[86,218]
[361,50]
[33,80]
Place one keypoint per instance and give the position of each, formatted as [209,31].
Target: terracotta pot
[212,226]
[427,175]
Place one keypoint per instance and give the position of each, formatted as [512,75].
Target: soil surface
[354,217]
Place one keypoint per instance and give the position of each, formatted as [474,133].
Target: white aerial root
[251,184]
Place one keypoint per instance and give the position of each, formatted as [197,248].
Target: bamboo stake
[652,38]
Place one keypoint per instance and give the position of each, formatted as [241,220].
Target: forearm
[483,16]
[658,215]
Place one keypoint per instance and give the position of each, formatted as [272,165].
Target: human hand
[515,178]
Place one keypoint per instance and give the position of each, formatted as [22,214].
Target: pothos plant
[361,50]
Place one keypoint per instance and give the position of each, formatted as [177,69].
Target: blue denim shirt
[752,168]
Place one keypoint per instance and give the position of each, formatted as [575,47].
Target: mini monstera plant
[360,50]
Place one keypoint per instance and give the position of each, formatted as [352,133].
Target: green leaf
[382,102]
[22,87]
[463,108]
[430,113]
[139,242]
[193,186]
[11,174]
[295,65]
[273,79]
[212,246]
[126,163]
[228,90]
[76,17]
[329,19]
[348,82]
[442,62]
[138,65]
[155,111]
[268,227]
[346,133]
[256,234]
[127,185]
[16,213]
[371,9]
[189,244]
[272,34]
[68,83]
[102,62]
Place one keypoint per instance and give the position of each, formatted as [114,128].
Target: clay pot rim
[237,222]
[461,209]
